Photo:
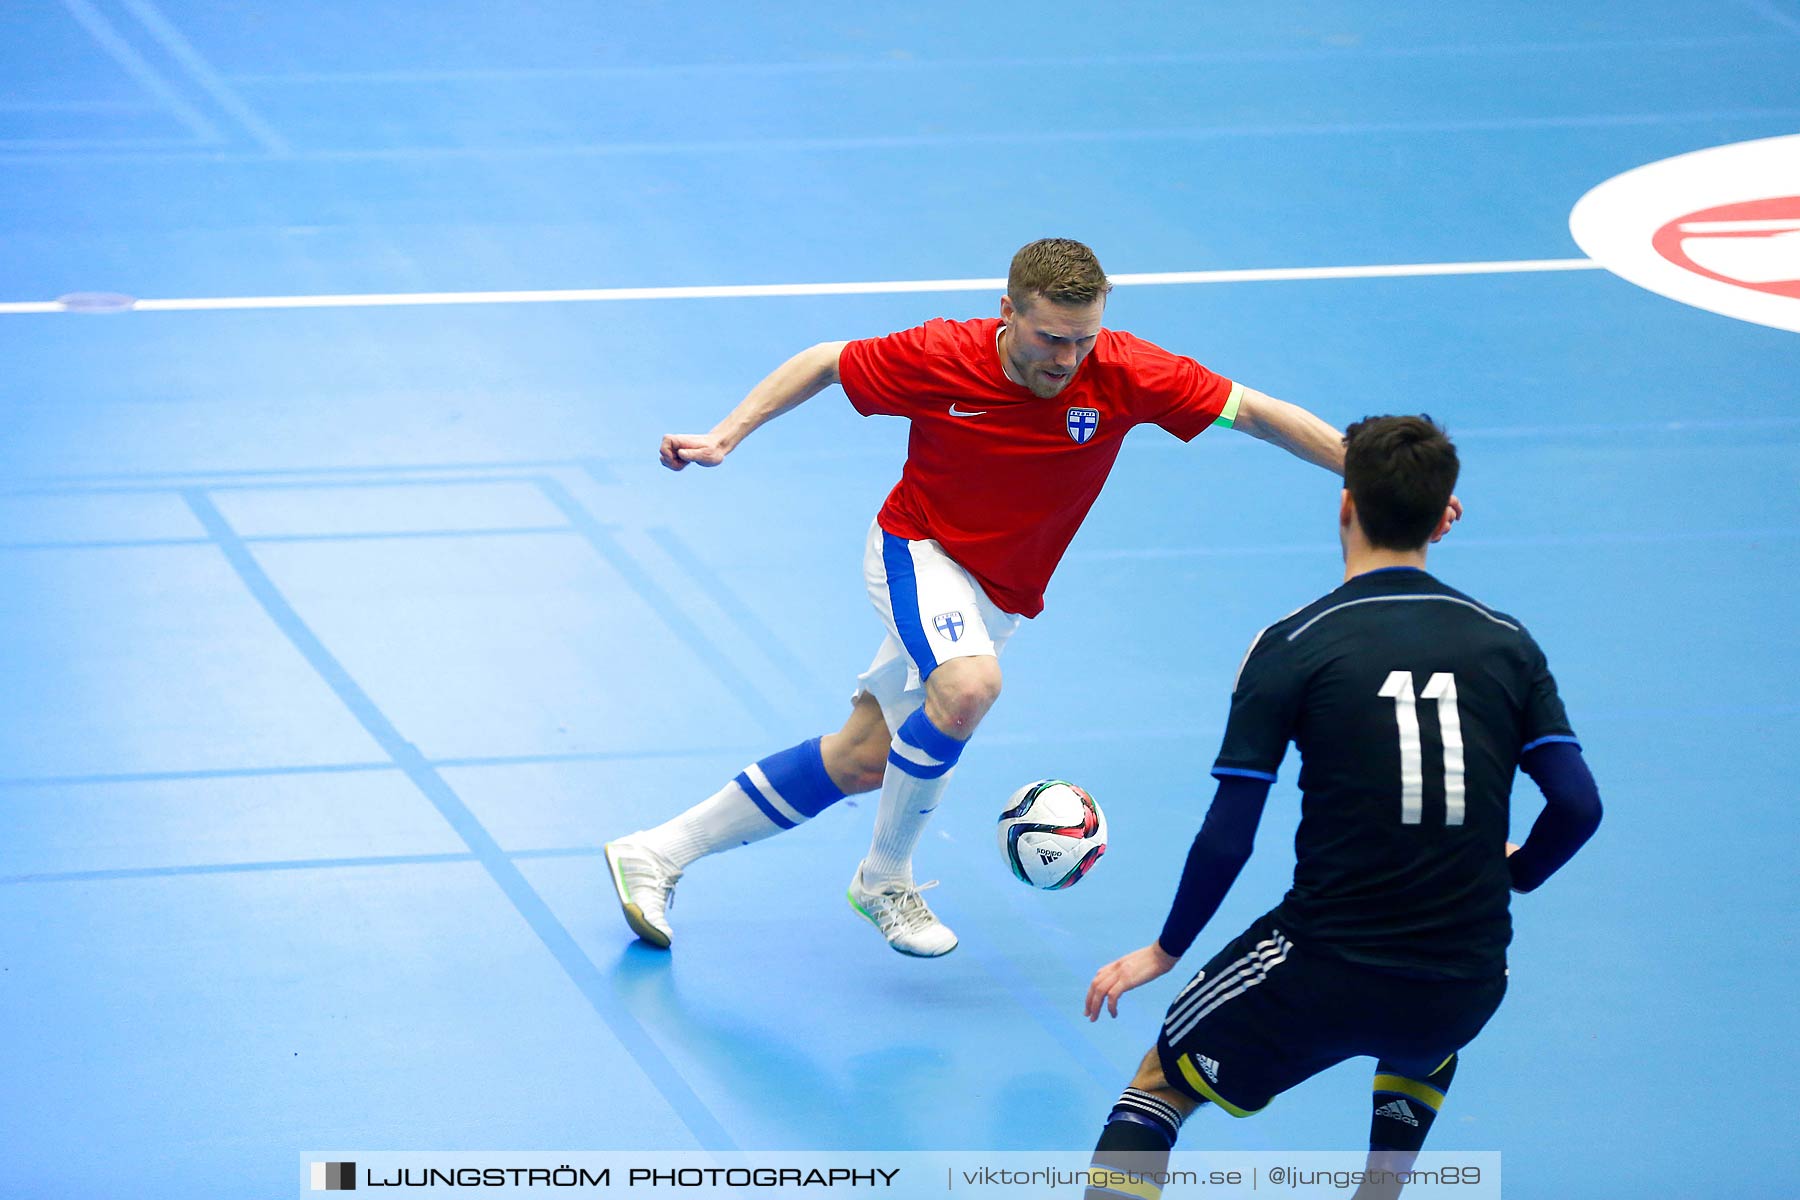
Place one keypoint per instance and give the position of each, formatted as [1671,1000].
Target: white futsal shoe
[897,909]
[645,882]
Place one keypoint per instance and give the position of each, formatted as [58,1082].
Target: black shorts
[1266,1014]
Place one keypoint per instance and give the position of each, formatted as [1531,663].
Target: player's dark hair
[1058,269]
[1400,472]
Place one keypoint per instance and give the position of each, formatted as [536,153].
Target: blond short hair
[1059,269]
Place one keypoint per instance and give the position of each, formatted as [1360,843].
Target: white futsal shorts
[933,610]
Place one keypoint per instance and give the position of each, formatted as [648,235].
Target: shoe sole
[634,916]
[862,912]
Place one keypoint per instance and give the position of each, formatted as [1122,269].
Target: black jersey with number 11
[1411,704]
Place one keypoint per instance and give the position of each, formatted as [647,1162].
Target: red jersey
[999,477]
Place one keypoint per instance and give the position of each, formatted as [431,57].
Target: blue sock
[923,750]
[768,796]
[792,785]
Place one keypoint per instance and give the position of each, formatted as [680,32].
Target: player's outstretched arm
[795,381]
[1122,974]
[1305,436]
[1292,428]
[1218,854]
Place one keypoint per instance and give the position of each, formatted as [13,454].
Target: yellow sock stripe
[1192,1074]
[1112,1179]
[1424,1093]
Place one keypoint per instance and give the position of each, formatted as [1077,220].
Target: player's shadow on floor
[879,1096]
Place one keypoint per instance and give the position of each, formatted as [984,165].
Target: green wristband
[1231,407]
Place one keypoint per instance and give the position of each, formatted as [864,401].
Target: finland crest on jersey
[949,624]
[1081,423]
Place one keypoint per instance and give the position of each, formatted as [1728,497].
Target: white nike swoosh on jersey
[972,413]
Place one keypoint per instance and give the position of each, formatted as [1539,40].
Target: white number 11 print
[1442,688]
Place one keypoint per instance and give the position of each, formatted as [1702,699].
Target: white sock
[724,819]
[918,768]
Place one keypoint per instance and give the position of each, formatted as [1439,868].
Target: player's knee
[961,691]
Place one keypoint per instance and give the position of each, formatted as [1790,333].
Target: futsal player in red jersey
[1016,423]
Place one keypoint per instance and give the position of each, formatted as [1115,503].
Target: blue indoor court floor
[337,635]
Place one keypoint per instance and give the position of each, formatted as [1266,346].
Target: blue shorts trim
[903,599]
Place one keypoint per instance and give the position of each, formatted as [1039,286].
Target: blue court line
[496,760]
[1548,433]
[1633,539]
[1681,428]
[129,107]
[530,906]
[183,52]
[271,485]
[283,538]
[346,485]
[730,603]
[660,603]
[589,465]
[513,150]
[135,65]
[1186,732]
[1056,1022]
[867,66]
[142,543]
[405,534]
[27,491]
[1172,133]
[598,469]
[29,147]
[285,864]
[576,756]
[1331,549]
[1008,919]
[56,781]
[268,485]
[1000,939]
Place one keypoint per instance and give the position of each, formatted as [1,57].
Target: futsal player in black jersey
[1412,705]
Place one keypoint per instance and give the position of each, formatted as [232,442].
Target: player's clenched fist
[680,449]
[1452,515]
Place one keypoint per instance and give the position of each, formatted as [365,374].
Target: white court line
[753,290]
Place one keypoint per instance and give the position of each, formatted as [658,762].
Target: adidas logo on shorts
[1398,1110]
[1208,1065]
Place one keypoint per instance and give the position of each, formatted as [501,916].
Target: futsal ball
[1052,833]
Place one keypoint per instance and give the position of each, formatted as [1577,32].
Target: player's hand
[1122,974]
[1452,515]
[680,449]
